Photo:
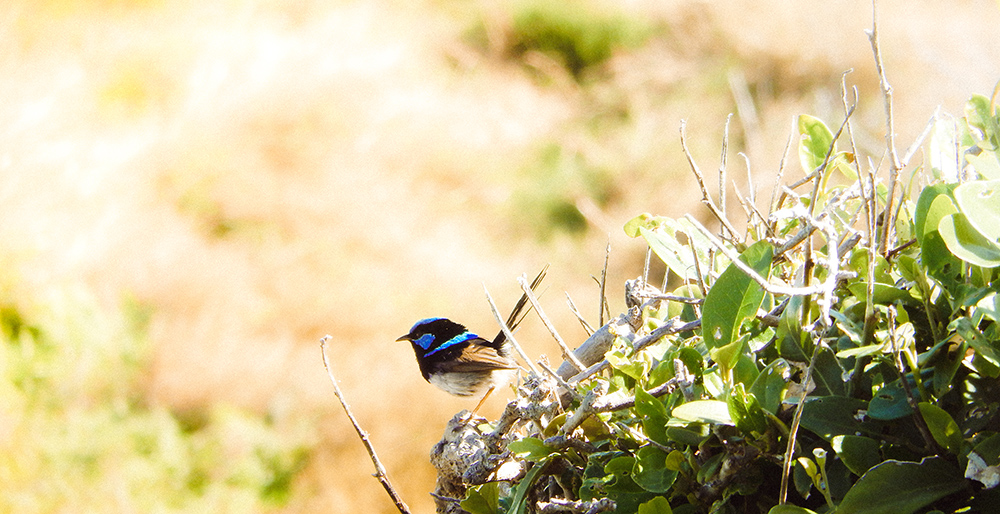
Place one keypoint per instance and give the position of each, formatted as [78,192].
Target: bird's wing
[476,357]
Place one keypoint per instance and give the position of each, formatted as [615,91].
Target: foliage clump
[840,355]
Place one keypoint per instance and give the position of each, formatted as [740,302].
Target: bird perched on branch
[459,361]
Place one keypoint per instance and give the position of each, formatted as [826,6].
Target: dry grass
[261,173]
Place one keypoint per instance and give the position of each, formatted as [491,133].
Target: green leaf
[789,509]
[858,453]
[986,164]
[666,246]
[692,360]
[706,411]
[889,403]
[658,505]
[980,116]
[482,499]
[884,294]
[626,493]
[651,472]
[735,297]
[942,426]
[933,205]
[899,487]
[769,387]
[983,346]
[660,234]
[691,435]
[530,448]
[654,416]
[980,202]
[967,243]
[745,411]
[814,143]
[828,416]
[518,503]
[828,374]
[793,342]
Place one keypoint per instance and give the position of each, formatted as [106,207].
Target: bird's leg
[481,402]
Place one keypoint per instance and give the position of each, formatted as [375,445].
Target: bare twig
[750,272]
[670,297]
[604,283]
[793,430]
[507,332]
[771,206]
[722,169]
[566,352]
[576,312]
[596,401]
[380,473]
[638,345]
[890,135]
[705,197]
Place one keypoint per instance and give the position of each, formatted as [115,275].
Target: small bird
[460,362]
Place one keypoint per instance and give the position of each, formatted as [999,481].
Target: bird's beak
[405,338]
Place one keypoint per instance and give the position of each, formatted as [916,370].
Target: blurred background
[192,193]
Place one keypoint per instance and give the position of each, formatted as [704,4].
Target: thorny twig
[576,312]
[507,332]
[793,430]
[769,287]
[566,352]
[890,135]
[380,472]
[705,197]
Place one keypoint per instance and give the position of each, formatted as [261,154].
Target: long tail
[516,316]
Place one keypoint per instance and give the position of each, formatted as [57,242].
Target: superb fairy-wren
[460,362]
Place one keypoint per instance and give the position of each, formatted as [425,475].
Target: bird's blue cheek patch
[459,339]
[425,341]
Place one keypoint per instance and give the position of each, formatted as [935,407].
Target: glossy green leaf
[966,243]
[482,499]
[858,453]
[691,435]
[769,387]
[665,245]
[654,416]
[889,402]
[692,360]
[789,509]
[793,342]
[942,426]
[735,297]
[898,487]
[827,374]
[986,163]
[980,202]
[519,502]
[746,412]
[989,449]
[985,348]
[650,470]
[658,505]
[829,416]
[980,117]
[530,448]
[884,294]
[626,493]
[932,206]
[706,411]
[814,143]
